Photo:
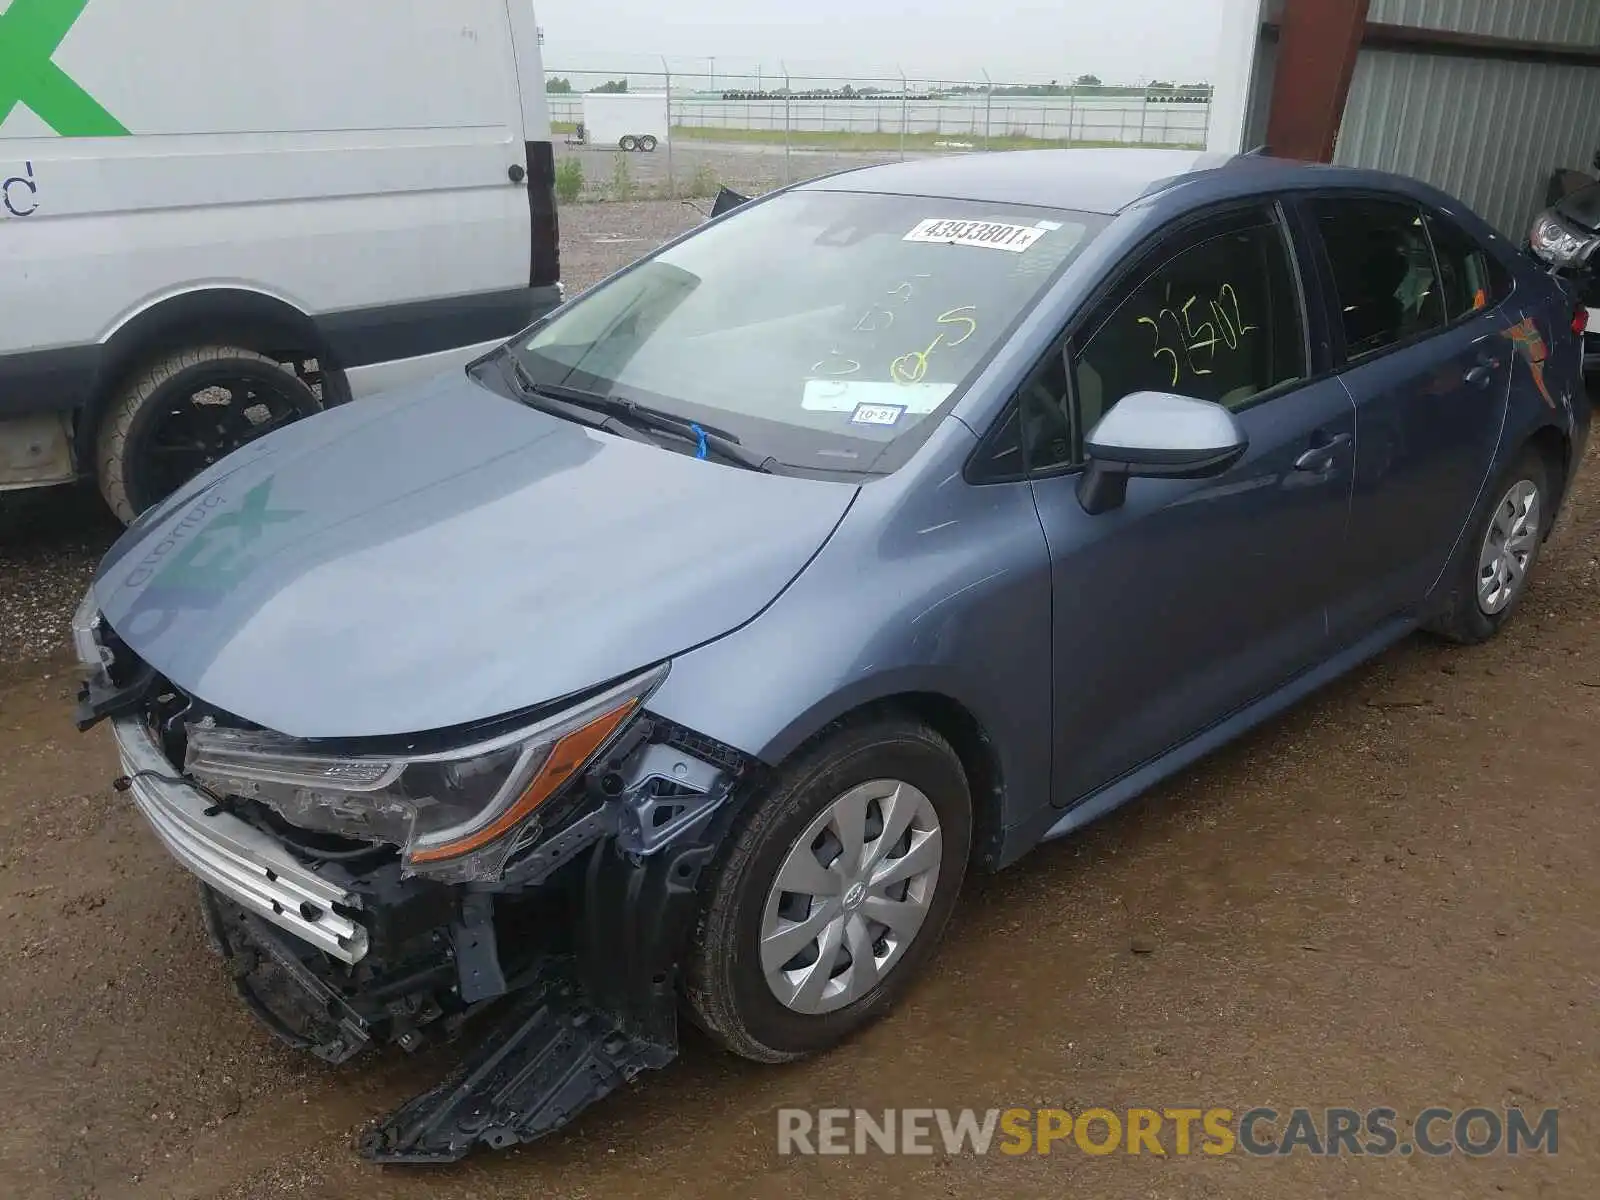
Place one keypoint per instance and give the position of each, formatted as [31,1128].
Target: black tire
[181,395]
[628,143]
[726,991]
[1464,619]
[648,143]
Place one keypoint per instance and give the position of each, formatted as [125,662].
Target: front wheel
[833,894]
[1497,562]
[628,143]
[648,143]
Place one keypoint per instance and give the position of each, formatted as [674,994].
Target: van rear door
[544,265]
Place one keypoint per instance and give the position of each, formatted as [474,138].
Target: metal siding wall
[1489,132]
[1571,22]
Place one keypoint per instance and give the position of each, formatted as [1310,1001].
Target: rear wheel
[628,143]
[178,416]
[833,894]
[648,143]
[1497,562]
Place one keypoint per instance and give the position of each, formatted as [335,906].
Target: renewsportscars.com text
[1260,1132]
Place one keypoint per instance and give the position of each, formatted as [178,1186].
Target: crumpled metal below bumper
[236,859]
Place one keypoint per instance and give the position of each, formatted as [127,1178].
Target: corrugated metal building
[1484,98]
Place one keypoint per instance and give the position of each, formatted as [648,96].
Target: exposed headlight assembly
[456,815]
[1558,245]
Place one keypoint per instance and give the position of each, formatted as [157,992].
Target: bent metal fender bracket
[552,1057]
[577,1029]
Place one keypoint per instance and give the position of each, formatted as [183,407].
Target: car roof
[1097,181]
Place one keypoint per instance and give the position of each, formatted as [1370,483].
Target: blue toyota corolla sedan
[683,655]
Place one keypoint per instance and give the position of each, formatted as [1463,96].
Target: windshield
[816,326]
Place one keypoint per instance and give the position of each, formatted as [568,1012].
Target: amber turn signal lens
[565,760]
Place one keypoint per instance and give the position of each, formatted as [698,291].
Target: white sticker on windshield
[990,235]
[877,414]
[847,395]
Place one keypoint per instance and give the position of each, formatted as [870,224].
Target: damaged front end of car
[525,885]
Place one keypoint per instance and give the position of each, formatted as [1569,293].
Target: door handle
[1320,457]
[1479,377]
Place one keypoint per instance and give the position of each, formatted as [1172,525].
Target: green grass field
[850,140]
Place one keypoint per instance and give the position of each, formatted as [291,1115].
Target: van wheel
[648,143]
[176,417]
[628,143]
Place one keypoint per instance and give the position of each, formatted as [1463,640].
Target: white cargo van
[217,217]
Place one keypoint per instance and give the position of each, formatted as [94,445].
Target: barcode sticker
[989,235]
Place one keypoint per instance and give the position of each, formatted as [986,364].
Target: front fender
[943,590]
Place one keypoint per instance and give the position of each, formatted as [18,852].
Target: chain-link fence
[631,134]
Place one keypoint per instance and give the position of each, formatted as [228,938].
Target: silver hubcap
[1508,547]
[850,895]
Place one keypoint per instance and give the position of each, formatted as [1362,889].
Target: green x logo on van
[30,32]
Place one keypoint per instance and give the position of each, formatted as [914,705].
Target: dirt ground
[1386,897]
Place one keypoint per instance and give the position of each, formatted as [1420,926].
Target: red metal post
[1318,42]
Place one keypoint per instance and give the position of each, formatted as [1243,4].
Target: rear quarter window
[1386,285]
[1471,277]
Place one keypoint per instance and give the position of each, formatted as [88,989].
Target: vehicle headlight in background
[450,813]
[1559,246]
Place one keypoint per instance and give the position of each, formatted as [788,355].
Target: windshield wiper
[639,416]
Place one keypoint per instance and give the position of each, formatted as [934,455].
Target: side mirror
[1156,435]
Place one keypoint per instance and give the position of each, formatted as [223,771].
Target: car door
[1428,366]
[1195,596]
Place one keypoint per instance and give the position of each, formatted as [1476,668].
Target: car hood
[442,555]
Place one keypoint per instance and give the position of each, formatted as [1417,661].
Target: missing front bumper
[578,1026]
[235,858]
[339,959]
[571,1027]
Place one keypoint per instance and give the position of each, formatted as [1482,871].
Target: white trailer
[627,120]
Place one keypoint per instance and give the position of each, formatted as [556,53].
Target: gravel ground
[49,544]
[599,238]
[698,167]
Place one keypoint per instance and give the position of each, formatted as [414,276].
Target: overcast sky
[1124,41]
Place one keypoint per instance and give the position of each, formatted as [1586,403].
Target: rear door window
[1471,278]
[1386,284]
